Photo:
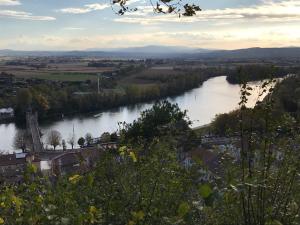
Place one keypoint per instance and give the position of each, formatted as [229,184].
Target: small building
[50,163]
[76,161]
[12,167]
[210,164]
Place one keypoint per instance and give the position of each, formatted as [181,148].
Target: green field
[65,76]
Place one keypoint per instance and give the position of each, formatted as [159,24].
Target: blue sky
[84,24]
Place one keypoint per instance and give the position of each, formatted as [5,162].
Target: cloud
[230,38]
[131,2]
[23,15]
[86,9]
[267,24]
[234,37]
[267,11]
[74,28]
[289,9]
[10,2]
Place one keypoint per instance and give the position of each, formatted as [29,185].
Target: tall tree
[156,121]
[72,140]
[54,138]
[81,142]
[23,102]
[21,140]
[88,138]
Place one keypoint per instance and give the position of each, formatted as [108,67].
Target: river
[213,97]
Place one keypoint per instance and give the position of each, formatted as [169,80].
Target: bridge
[34,132]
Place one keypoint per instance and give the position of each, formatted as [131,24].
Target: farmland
[66,70]
[56,85]
[67,85]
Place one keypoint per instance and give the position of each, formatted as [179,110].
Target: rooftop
[11,159]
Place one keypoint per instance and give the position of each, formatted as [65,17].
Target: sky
[93,24]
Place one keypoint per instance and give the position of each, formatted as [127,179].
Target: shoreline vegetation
[285,96]
[135,82]
[248,73]
[51,103]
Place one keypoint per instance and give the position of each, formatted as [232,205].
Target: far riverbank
[215,96]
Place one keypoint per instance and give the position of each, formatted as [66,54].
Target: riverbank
[250,73]
[51,103]
[214,96]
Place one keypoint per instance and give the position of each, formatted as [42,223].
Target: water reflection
[213,97]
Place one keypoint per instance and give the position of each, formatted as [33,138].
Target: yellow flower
[140,215]
[16,201]
[133,156]
[131,222]
[74,179]
[2,204]
[93,209]
[1,220]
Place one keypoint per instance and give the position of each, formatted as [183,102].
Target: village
[54,163]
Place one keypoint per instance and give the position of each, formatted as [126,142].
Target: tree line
[286,97]
[255,72]
[51,101]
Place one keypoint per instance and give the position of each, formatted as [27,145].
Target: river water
[215,96]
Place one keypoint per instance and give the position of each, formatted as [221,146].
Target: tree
[154,122]
[21,140]
[40,103]
[23,102]
[226,123]
[261,185]
[63,143]
[54,138]
[105,137]
[81,142]
[113,137]
[137,189]
[71,140]
[88,138]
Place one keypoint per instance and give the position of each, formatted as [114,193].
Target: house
[209,160]
[12,167]
[77,161]
[50,163]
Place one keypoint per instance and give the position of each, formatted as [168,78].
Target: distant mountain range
[151,51]
[253,53]
[154,51]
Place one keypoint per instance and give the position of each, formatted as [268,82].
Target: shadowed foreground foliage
[144,182]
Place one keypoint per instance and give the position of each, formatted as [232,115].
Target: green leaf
[205,190]
[274,222]
[122,150]
[90,180]
[183,209]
